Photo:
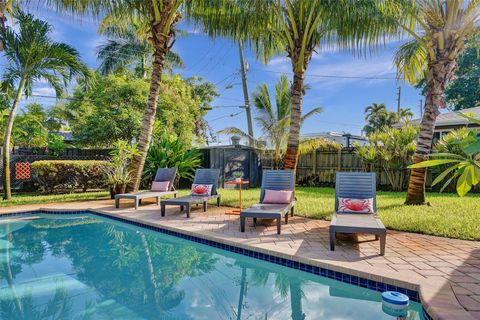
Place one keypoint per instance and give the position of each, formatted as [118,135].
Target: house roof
[447,118]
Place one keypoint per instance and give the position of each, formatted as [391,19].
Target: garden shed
[233,158]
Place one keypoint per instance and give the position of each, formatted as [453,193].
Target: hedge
[70,175]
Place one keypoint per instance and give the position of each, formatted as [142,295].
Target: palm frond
[311,113]
[411,61]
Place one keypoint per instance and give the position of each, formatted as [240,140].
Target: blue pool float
[395,300]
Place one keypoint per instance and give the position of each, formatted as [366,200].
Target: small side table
[239,183]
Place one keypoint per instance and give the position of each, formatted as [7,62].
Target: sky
[343,100]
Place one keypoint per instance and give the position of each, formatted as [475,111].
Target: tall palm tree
[438,33]
[162,17]
[127,47]
[33,56]
[298,28]
[274,123]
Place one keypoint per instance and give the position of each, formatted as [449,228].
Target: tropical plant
[463,166]
[6,6]
[378,116]
[464,90]
[118,175]
[170,152]
[275,123]
[452,142]
[128,46]
[33,56]
[439,29]
[298,28]
[162,17]
[393,149]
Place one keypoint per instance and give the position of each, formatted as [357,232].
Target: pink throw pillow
[160,186]
[277,196]
[201,189]
[350,205]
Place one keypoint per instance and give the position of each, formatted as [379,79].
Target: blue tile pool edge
[324,272]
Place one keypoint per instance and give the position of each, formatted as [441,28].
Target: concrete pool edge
[438,299]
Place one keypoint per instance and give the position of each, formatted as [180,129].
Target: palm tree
[439,31]
[33,56]
[405,114]
[378,116]
[274,124]
[162,17]
[128,46]
[5,7]
[298,28]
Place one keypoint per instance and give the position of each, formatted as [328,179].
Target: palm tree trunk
[296,300]
[3,19]
[6,143]
[161,46]
[9,274]
[291,154]
[438,76]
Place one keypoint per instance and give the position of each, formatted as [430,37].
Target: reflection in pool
[87,267]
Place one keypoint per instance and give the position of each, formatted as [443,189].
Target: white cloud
[44,91]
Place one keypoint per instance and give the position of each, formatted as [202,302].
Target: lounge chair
[202,176]
[163,174]
[357,185]
[272,180]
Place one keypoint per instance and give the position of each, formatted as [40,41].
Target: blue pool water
[90,267]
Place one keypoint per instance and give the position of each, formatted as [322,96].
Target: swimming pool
[84,266]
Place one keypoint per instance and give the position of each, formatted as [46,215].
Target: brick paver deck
[438,264]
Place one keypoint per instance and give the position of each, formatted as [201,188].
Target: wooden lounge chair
[357,185]
[163,174]
[272,180]
[202,176]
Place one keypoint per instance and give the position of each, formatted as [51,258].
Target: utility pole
[421,108]
[245,95]
[399,92]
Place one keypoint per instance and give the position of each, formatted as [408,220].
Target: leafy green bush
[393,149]
[171,153]
[69,175]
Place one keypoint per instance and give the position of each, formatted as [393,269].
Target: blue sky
[343,100]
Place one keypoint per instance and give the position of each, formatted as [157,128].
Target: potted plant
[118,174]
[238,175]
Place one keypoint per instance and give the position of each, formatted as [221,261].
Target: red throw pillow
[201,189]
[350,205]
[277,196]
[160,186]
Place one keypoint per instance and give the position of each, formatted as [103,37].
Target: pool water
[89,267]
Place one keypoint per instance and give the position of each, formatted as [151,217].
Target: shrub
[69,175]
[169,152]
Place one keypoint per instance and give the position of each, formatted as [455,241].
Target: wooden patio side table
[239,183]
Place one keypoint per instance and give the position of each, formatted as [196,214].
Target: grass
[448,216]
[28,198]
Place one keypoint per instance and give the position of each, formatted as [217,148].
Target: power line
[356,77]
[226,116]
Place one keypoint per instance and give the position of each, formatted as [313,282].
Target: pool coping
[437,298]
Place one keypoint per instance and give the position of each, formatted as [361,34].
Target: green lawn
[449,215]
[28,198]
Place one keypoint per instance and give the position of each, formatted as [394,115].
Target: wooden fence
[318,168]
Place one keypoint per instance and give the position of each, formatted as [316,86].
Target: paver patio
[436,263]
